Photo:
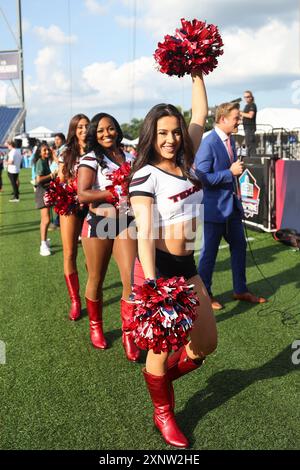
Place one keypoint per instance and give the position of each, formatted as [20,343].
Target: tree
[131,130]
[188,114]
[209,123]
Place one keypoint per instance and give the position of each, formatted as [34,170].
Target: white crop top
[176,199]
[101,182]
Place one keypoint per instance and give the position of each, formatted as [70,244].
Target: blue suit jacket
[212,165]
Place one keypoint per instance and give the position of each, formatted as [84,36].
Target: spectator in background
[131,149]
[32,159]
[60,144]
[13,168]
[53,159]
[249,122]
[26,158]
[1,169]
[43,178]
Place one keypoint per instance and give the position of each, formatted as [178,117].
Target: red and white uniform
[176,198]
[89,160]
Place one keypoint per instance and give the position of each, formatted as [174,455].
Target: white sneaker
[14,200]
[48,241]
[45,250]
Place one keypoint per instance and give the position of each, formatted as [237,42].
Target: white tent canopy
[126,141]
[130,142]
[268,119]
[40,132]
[288,118]
[135,141]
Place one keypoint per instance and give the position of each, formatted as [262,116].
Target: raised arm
[199,109]
[143,210]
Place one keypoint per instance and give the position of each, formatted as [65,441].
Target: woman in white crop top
[70,225]
[106,230]
[165,198]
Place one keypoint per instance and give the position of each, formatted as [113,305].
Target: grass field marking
[296,353]
[2,352]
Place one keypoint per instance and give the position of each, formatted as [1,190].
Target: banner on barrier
[256,190]
[249,192]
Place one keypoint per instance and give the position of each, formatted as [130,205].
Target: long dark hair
[91,139]
[147,137]
[37,153]
[72,151]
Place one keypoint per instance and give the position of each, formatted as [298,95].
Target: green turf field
[58,392]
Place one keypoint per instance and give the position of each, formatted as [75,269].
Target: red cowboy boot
[180,364]
[164,419]
[72,282]
[127,312]
[94,309]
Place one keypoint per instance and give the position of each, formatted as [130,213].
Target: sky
[95,56]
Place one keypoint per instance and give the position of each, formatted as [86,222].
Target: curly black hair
[91,138]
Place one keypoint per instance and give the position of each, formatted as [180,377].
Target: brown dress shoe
[249,297]
[215,304]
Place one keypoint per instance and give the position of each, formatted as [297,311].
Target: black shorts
[82,212]
[168,265]
[98,226]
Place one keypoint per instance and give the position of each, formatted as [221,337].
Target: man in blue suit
[217,167]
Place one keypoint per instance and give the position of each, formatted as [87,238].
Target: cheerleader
[106,229]
[70,225]
[165,195]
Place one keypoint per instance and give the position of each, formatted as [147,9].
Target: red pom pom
[163,314]
[119,186]
[62,196]
[195,46]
